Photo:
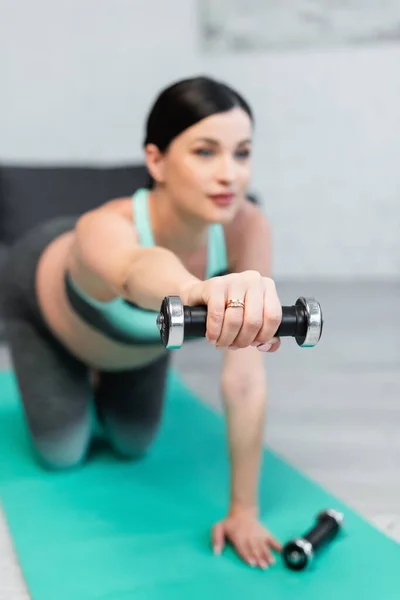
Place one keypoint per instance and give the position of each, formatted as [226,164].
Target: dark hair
[186,102]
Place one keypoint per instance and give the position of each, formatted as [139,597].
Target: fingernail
[264,347]
[232,348]
[212,342]
[263,565]
[252,563]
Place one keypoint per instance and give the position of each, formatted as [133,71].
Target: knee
[131,442]
[53,462]
[61,452]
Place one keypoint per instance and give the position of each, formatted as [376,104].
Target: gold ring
[234,303]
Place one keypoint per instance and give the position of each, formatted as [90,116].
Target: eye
[203,152]
[242,154]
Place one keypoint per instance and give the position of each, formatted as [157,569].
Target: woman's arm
[244,377]
[107,244]
[244,393]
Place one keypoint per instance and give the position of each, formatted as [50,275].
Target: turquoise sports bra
[122,320]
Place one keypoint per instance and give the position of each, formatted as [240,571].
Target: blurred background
[76,82]
[78,78]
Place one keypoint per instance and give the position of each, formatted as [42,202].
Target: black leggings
[56,388]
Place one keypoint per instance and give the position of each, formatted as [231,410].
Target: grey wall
[77,78]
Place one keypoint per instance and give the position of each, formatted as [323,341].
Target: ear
[155,162]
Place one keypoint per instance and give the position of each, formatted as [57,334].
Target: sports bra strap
[217,256]
[142,217]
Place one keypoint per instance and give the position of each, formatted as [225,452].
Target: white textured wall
[77,78]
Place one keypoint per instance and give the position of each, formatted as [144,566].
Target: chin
[222,214]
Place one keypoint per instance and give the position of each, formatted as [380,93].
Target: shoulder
[122,206]
[114,213]
[248,236]
[115,207]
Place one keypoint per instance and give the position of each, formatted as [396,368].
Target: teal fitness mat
[121,530]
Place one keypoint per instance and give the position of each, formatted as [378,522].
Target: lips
[222,199]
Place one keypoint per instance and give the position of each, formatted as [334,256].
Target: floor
[334,410]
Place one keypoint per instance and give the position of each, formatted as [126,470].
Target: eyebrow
[215,143]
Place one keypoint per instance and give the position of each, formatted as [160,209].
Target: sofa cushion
[32,194]
[3,253]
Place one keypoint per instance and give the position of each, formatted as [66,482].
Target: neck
[172,228]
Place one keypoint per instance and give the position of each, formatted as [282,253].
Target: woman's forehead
[234,125]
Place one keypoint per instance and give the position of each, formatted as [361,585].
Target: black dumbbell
[177,322]
[299,552]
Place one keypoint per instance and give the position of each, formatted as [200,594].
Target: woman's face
[206,170]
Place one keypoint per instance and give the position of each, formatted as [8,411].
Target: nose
[226,170]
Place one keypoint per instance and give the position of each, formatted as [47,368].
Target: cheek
[190,172]
[244,175]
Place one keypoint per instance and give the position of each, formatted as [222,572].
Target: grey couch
[32,194]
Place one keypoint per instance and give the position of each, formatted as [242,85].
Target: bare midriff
[87,344]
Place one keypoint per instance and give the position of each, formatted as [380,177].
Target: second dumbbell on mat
[299,552]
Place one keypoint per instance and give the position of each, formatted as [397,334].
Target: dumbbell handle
[178,322]
[294,322]
[326,528]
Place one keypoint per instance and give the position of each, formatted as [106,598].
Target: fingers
[267,558]
[261,553]
[277,546]
[244,550]
[215,310]
[256,550]
[275,345]
[272,316]
[254,546]
[254,324]
[241,325]
[233,316]
[218,538]
[252,315]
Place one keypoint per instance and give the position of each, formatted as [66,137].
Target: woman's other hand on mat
[252,320]
[251,540]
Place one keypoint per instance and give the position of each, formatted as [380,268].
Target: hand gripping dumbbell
[177,322]
[299,552]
